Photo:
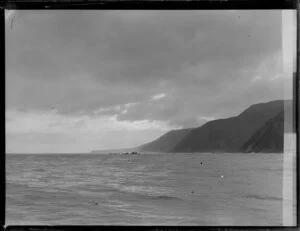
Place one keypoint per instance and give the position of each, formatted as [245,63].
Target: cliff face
[269,138]
[227,135]
[166,142]
[259,128]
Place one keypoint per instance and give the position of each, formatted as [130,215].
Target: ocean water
[147,189]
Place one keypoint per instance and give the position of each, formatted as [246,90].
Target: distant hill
[269,138]
[124,150]
[255,129]
[166,142]
[227,135]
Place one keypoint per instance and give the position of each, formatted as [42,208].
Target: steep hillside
[227,135]
[269,138]
[166,142]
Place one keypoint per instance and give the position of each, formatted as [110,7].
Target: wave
[124,191]
[263,197]
[39,170]
[157,197]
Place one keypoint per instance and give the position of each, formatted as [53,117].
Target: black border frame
[147,4]
[150,4]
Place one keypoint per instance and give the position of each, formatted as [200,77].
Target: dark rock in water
[227,135]
[93,202]
[269,138]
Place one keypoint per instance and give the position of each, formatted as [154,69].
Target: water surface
[148,189]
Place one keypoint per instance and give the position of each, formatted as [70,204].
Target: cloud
[205,118]
[104,132]
[158,96]
[104,69]
[52,122]
[127,106]
[118,49]
[256,78]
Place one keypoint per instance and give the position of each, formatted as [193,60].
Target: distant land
[166,142]
[228,135]
[269,138]
[259,128]
[113,151]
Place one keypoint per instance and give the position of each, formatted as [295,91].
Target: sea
[182,189]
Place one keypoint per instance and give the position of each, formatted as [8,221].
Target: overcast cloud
[83,80]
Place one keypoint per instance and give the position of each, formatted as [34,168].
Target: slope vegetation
[227,135]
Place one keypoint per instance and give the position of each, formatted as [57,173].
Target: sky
[78,81]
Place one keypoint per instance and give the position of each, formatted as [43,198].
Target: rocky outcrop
[269,138]
[227,135]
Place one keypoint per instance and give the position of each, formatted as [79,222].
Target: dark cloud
[82,61]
